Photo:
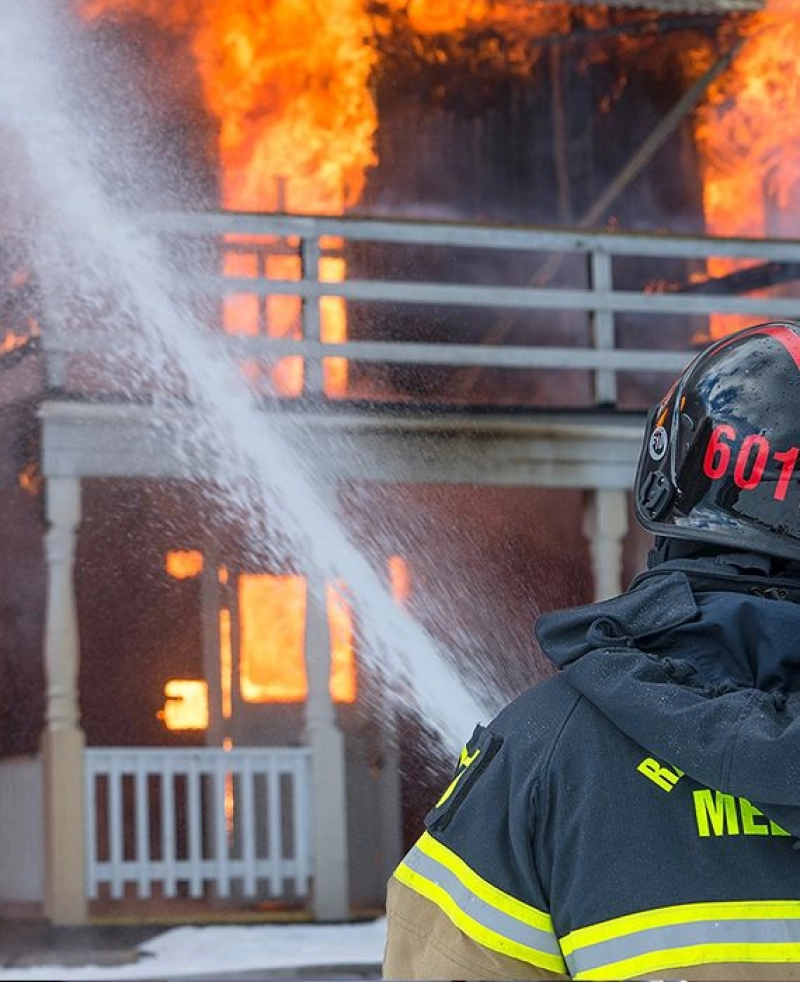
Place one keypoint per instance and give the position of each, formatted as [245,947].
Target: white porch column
[605,525]
[63,740]
[331,870]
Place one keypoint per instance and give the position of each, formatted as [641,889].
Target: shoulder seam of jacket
[544,771]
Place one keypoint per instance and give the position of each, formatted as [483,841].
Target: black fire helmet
[720,460]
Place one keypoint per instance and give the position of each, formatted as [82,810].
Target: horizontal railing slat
[463,234]
[514,297]
[511,356]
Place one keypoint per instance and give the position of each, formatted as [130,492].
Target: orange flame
[31,479]
[226,663]
[443,18]
[272,612]
[12,342]
[749,138]
[288,82]
[186,705]
[183,564]
[399,579]
[272,618]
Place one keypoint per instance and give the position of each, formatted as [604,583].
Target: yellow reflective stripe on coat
[484,913]
[684,935]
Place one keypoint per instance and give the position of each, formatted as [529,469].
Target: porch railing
[199,822]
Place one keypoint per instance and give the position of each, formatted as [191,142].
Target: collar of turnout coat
[699,663]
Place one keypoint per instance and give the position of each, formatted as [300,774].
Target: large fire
[746,130]
[749,139]
[289,83]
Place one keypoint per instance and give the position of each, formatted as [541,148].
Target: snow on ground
[193,951]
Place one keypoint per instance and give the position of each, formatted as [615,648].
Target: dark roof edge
[681,6]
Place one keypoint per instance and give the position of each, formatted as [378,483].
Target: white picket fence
[198,822]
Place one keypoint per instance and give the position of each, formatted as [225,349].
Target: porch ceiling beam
[384,445]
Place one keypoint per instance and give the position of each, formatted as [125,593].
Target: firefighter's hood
[703,671]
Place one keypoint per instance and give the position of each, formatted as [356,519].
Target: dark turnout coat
[638,814]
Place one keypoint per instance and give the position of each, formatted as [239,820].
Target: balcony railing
[452,312]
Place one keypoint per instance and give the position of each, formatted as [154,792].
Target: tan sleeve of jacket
[423,943]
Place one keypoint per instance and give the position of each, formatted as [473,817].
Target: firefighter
[637,815]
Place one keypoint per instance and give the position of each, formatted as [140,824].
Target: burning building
[638,117]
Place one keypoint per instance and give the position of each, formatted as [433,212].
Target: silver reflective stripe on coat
[712,939]
[479,910]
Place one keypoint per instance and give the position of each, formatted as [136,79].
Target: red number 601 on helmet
[719,459]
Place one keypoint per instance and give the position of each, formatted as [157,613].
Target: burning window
[271,645]
[186,706]
[272,616]
[183,564]
[279,316]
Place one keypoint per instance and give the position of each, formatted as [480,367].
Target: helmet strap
[666,548]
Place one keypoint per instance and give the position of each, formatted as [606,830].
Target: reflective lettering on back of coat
[718,814]
[662,776]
